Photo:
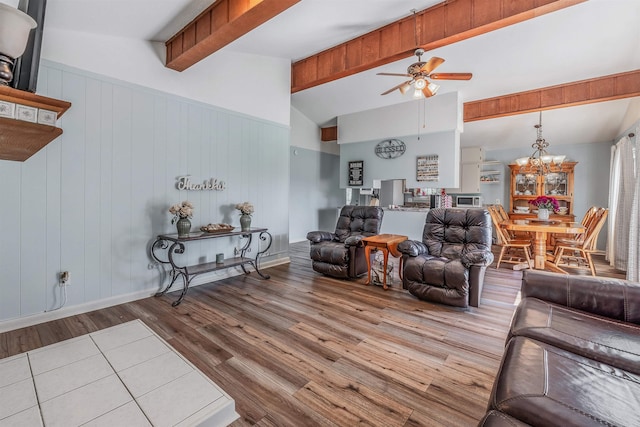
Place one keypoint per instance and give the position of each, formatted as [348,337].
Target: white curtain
[633,269]
[624,201]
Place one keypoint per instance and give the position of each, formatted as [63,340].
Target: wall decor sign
[427,168]
[184,183]
[356,172]
[390,149]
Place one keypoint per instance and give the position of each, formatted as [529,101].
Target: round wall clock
[390,149]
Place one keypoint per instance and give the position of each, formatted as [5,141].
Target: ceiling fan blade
[403,87]
[427,92]
[451,76]
[394,74]
[431,64]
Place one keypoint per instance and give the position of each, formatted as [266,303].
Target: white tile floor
[121,376]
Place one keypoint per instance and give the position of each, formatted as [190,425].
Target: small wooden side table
[387,243]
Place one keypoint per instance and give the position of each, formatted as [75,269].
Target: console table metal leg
[185,288]
[263,236]
[175,275]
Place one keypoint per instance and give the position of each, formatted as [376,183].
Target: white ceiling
[591,39]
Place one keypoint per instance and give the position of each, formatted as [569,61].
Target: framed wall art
[356,173]
[427,168]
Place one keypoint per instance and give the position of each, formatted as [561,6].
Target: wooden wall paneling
[105,186]
[173,168]
[32,251]
[92,161]
[10,172]
[142,145]
[195,151]
[50,83]
[91,201]
[222,164]
[121,189]
[72,208]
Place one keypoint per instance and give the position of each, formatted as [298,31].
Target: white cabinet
[470,166]
[470,178]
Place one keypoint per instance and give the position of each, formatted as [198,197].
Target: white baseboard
[47,316]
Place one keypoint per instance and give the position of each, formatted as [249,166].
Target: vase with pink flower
[546,205]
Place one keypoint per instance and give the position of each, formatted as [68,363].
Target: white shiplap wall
[92,200]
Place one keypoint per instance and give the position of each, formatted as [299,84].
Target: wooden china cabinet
[526,185]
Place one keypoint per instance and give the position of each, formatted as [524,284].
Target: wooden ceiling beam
[220,24]
[440,25]
[599,89]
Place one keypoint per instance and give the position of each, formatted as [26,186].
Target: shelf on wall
[20,139]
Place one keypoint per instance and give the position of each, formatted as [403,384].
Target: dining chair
[517,251]
[576,253]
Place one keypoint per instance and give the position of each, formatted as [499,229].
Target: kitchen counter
[406,221]
[406,209]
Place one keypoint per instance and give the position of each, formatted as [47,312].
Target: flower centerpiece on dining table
[545,205]
[182,213]
[246,209]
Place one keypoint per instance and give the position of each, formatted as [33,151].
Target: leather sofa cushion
[596,337]
[437,279]
[498,419]
[330,252]
[543,385]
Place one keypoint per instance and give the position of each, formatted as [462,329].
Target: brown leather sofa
[572,356]
[341,254]
[449,264]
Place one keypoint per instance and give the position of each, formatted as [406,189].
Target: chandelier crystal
[539,162]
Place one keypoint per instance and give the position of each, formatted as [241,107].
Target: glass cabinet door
[526,185]
[555,184]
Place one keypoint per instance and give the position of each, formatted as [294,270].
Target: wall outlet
[64,278]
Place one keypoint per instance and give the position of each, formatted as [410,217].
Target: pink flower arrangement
[545,202]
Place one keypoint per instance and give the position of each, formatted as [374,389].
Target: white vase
[543,214]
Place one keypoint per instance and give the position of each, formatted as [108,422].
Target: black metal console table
[170,244]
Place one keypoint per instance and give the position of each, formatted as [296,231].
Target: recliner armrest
[479,257]
[412,248]
[614,298]
[319,236]
[354,240]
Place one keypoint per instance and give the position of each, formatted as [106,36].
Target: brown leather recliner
[448,266]
[341,254]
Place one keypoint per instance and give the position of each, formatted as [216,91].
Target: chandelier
[539,162]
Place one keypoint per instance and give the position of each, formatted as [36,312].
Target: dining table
[541,230]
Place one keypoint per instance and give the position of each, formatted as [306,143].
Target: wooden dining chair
[576,253]
[513,250]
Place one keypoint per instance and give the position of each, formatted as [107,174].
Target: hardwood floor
[302,349]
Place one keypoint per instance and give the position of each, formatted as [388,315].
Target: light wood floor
[302,349]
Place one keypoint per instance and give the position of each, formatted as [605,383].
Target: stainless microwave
[468,201]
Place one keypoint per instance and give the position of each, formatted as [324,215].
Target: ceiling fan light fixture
[417,93]
[433,88]
[421,83]
[404,88]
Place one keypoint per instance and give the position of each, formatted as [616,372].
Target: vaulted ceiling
[525,56]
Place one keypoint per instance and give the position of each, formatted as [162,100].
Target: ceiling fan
[420,72]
